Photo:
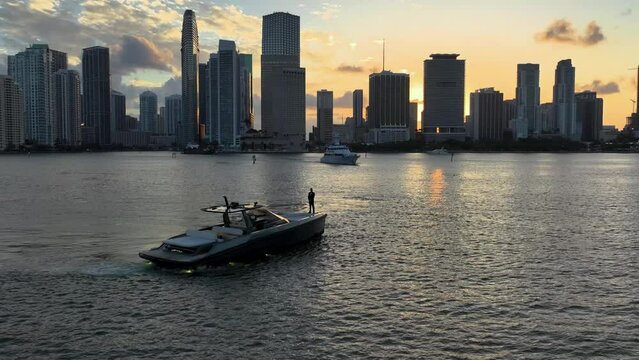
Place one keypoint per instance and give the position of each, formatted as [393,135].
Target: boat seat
[227,233]
[202,234]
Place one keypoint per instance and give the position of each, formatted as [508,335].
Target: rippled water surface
[489,256]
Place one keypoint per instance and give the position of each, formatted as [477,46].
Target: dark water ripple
[489,257]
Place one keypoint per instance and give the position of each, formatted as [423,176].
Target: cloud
[563,31]
[350,68]
[327,11]
[136,52]
[601,88]
[311,101]
[593,35]
[626,12]
[344,101]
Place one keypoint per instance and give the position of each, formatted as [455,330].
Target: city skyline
[339,51]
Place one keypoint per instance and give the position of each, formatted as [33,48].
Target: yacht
[339,155]
[246,232]
[441,151]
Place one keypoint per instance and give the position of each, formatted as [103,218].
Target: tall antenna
[383,54]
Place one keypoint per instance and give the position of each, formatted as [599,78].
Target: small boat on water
[339,155]
[441,151]
[246,232]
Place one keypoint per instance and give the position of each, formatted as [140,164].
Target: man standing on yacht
[311,201]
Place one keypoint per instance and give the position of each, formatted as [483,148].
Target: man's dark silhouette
[311,202]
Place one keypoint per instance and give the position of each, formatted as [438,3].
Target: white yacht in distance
[339,155]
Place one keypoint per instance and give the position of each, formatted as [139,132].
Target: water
[489,256]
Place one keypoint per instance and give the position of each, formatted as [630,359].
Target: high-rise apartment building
[487,114]
[388,106]
[33,71]
[11,114]
[358,107]
[148,111]
[325,116]
[96,96]
[118,111]
[247,116]
[412,120]
[528,97]
[67,107]
[230,104]
[589,114]
[189,126]
[444,82]
[203,81]
[564,100]
[172,112]
[283,80]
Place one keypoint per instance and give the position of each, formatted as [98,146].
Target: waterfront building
[528,97]
[589,114]
[67,107]
[283,80]
[230,104]
[325,116]
[388,108]
[33,69]
[358,107]
[608,133]
[96,96]
[130,123]
[118,111]
[486,114]
[247,115]
[189,126]
[162,126]
[11,114]
[203,85]
[148,111]
[444,83]
[547,118]
[564,101]
[173,112]
[412,120]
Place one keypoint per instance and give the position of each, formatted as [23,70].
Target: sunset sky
[341,41]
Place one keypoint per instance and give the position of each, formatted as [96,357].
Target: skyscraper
[528,97]
[148,111]
[412,120]
[162,126]
[247,116]
[487,114]
[358,107]
[388,106]
[189,127]
[67,106]
[547,116]
[283,80]
[203,75]
[118,112]
[230,94]
[325,116]
[33,70]
[96,97]
[444,81]
[564,100]
[11,114]
[589,114]
[173,112]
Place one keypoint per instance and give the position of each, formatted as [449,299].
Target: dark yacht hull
[270,241]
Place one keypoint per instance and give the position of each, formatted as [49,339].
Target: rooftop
[444,56]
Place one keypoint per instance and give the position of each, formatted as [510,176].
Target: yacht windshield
[262,219]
